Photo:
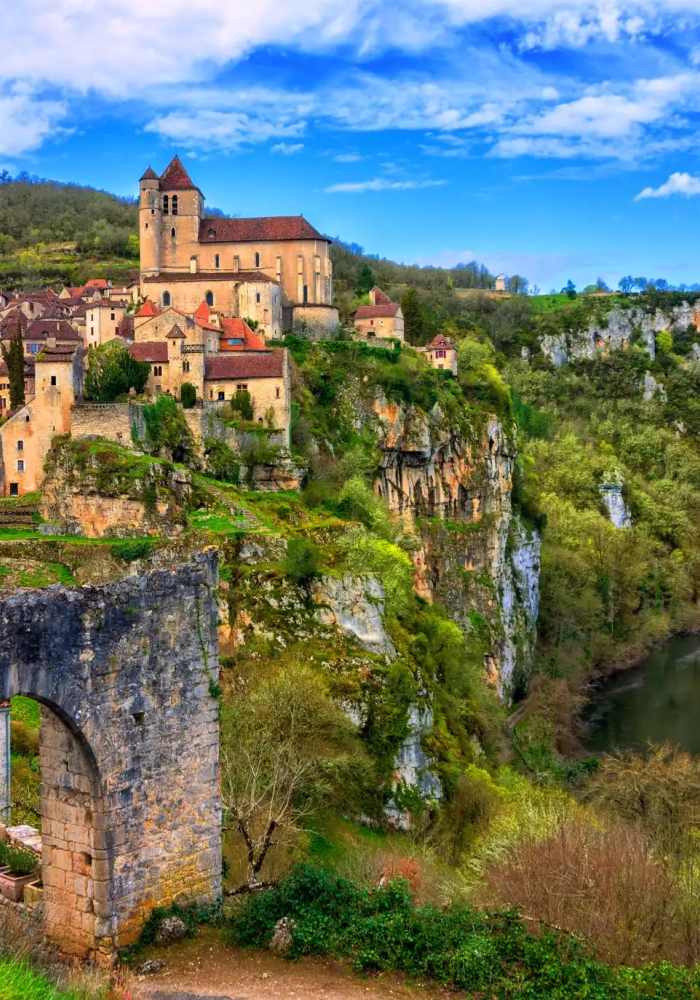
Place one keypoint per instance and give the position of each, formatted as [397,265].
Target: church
[275,270]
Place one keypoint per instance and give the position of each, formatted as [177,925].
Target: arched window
[165,204]
[174,205]
[173,233]
[257,260]
[216,260]
[257,296]
[209,299]
[306,293]
[166,298]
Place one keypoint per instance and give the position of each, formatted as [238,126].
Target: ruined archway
[125,674]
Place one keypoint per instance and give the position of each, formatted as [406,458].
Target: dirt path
[206,968]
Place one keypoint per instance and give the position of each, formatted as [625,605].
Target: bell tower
[150,222]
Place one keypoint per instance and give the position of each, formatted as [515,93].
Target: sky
[554,140]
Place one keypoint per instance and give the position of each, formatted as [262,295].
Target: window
[209,299]
[157,369]
[111,315]
[257,297]
[165,204]
[235,342]
[20,446]
[53,381]
[34,348]
[277,392]
[174,205]
[441,354]
[166,298]
[220,394]
[306,293]
[236,263]
[14,489]
[185,366]
[146,226]
[257,260]
[173,233]
[371,322]
[242,387]
[216,260]
[159,389]
[212,234]
[20,465]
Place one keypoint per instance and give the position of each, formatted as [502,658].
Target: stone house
[382,319]
[26,437]
[102,321]
[243,267]
[265,376]
[29,370]
[441,354]
[39,333]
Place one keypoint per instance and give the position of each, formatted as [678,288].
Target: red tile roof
[176,178]
[440,341]
[268,365]
[61,329]
[150,351]
[238,329]
[175,334]
[374,312]
[275,227]
[149,175]
[148,309]
[201,317]
[380,297]
[97,283]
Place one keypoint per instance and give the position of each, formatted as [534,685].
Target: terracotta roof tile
[176,178]
[268,365]
[149,308]
[149,175]
[374,312]
[151,351]
[275,227]
[380,297]
[58,328]
[440,341]
[175,334]
[238,329]
[207,276]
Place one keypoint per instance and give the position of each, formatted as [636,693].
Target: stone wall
[111,421]
[129,746]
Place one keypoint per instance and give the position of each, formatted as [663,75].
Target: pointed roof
[201,317]
[440,341]
[149,308]
[176,178]
[175,334]
[379,298]
[149,175]
[237,329]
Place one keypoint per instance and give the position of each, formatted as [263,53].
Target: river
[657,700]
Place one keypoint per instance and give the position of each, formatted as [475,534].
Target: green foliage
[365,553]
[221,462]
[112,372]
[131,549]
[13,356]
[302,561]
[242,403]
[414,326]
[167,430]
[193,915]
[188,395]
[19,860]
[18,981]
[463,948]
[365,278]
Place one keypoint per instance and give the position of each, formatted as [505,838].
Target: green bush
[112,372]
[19,860]
[222,463]
[167,430]
[301,564]
[243,404]
[188,395]
[131,549]
[489,954]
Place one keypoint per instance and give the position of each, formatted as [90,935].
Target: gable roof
[264,365]
[149,308]
[176,178]
[97,283]
[379,297]
[151,350]
[374,312]
[440,341]
[175,334]
[238,329]
[266,228]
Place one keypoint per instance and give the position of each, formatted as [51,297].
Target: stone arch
[126,676]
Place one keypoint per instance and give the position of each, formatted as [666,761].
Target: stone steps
[18,515]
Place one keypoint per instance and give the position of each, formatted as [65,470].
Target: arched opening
[173,233]
[55,788]
[216,260]
[165,204]
[306,293]
[174,208]
[209,299]
[166,298]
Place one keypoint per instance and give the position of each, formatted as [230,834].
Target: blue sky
[555,140]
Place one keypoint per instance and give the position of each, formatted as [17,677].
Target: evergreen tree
[13,356]
[412,317]
[365,278]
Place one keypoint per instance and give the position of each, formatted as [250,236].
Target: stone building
[264,376]
[382,319]
[102,321]
[250,268]
[26,437]
[441,354]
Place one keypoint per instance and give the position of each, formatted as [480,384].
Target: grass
[46,574]
[25,710]
[19,982]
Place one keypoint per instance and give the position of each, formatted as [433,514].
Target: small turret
[150,220]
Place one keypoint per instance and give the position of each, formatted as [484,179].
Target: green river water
[657,700]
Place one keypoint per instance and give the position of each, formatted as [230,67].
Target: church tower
[150,218]
[182,205]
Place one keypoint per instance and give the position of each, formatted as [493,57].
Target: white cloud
[678,183]
[27,121]
[379,184]
[347,158]
[287,148]
[222,129]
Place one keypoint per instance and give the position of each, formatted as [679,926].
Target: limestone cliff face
[617,329]
[452,486]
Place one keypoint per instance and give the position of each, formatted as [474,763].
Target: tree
[287,751]
[412,316]
[601,285]
[113,372]
[243,404]
[569,289]
[365,278]
[517,284]
[188,395]
[641,283]
[626,284]
[167,432]
[13,356]
[133,246]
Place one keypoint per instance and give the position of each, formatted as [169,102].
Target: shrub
[188,395]
[113,372]
[167,430]
[222,462]
[243,404]
[19,860]
[301,564]
[131,549]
